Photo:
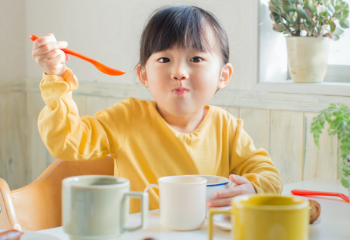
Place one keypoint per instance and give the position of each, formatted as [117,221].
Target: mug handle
[144,209]
[154,212]
[213,212]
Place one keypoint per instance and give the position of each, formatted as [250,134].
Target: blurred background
[109,31]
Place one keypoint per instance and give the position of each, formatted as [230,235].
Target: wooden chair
[37,206]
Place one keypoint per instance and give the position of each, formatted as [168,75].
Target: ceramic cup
[182,202]
[215,184]
[266,217]
[96,207]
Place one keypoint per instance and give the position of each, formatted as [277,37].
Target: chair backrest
[37,206]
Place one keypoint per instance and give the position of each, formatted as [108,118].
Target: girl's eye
[196,59]
[164,60]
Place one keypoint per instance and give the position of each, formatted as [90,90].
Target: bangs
[182,26]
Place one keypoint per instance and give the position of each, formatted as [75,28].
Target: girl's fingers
[230,192]
[44,40]
[57,60]
[238,179]
[48,47]
[48,54]
[43,59]
[54,53]
[55,64]
[219,202]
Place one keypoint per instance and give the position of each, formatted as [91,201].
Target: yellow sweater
[144,146]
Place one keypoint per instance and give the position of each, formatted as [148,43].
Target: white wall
[12,45]
[109,31]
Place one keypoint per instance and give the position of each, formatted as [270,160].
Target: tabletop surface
[334,224]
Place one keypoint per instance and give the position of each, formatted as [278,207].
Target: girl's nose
[179,73]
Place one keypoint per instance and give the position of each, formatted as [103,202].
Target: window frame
[328,87]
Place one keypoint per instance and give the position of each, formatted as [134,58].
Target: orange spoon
[98,65]
[318,193]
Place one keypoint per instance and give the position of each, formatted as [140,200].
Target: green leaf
[335,37]
[344,23]
[273,9]
[314,10]
[338,15]
[321,18]
[308,4]
[344,181]
[345,13]
[309,13]
[301,2]
[324,14]
[332,25]
[329,5]
[338,8]
[320,32]
[273,3]
[301,12]
[275,17]
[327,2]
[287,6]
[338,31]
[343,4]
[321,9]
[338,117]
[279,27]
[287,17]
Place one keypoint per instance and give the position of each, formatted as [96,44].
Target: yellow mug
[266,217]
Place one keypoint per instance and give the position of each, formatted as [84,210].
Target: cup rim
[67,181]
[163,179]
[235,202]
[211,184]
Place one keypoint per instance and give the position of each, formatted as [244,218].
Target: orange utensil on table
[300,192]
[98,65]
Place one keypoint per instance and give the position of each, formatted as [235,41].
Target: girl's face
[182,82]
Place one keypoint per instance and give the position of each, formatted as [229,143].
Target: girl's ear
[141,73]
[225,76]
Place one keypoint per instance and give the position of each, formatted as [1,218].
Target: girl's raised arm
[68,136]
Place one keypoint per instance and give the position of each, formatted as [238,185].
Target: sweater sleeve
[254,164]
[68,136]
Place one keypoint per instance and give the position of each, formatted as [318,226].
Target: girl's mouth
[180,91]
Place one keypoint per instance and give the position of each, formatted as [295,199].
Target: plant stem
[297,28]
[290,32]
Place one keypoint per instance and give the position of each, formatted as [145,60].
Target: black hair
[183,26]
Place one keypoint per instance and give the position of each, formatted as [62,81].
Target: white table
[334,225]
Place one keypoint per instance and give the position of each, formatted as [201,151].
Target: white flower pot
[307,58]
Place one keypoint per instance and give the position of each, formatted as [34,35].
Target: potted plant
[309,25]
[338,117]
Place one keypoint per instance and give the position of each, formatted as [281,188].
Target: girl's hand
[48,54]
[243,186]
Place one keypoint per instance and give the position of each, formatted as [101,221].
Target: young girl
[184,60]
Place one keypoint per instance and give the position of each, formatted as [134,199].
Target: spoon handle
[97,64]
[318,193]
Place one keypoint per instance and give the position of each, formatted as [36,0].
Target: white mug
[182,202]
[96,207]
